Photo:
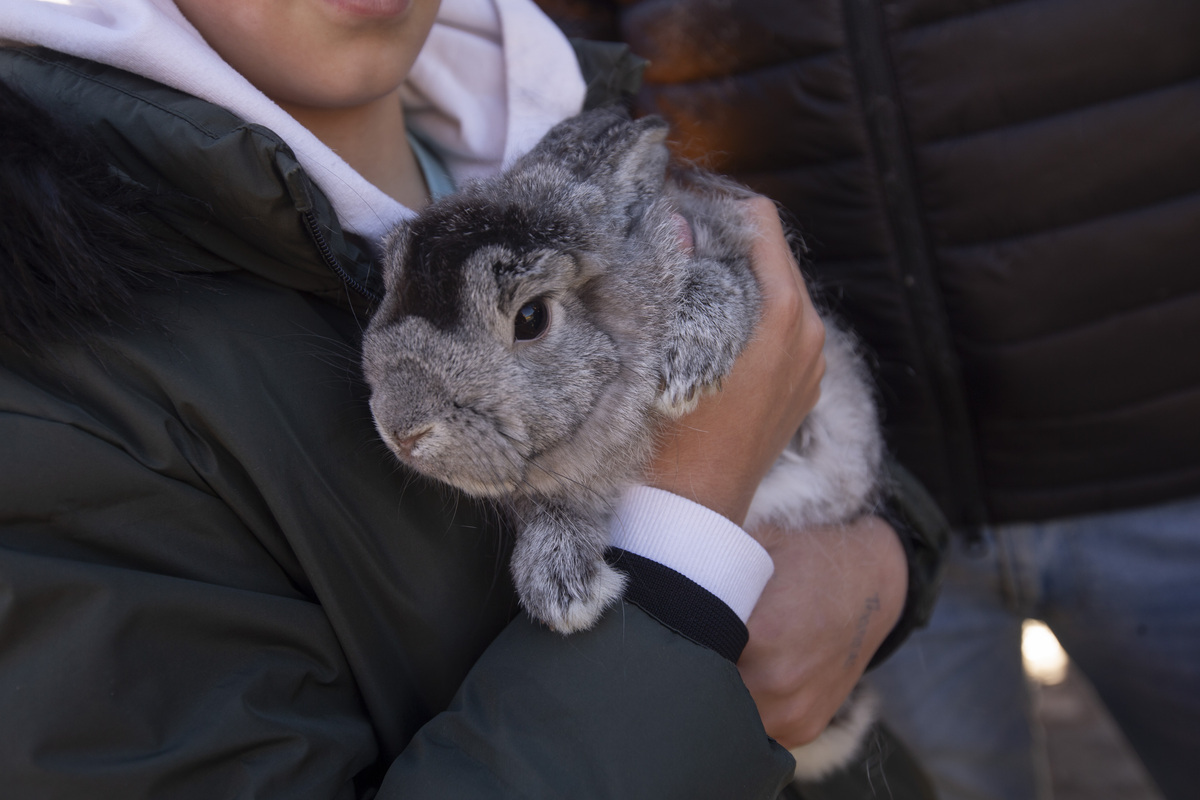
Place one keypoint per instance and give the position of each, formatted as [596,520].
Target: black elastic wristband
[909,618]
[924,534]
[681,604]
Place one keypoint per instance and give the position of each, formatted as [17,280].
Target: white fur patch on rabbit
[538,326]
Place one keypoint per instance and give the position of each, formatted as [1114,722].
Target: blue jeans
[1121,591]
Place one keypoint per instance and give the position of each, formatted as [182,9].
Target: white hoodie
[490,81]
[492,78]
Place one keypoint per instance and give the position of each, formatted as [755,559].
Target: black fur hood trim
[72,251]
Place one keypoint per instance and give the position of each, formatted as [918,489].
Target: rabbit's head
[520,314]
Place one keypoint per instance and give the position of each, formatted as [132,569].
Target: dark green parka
[216,583]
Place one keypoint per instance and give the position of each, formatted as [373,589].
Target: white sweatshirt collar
[493,77]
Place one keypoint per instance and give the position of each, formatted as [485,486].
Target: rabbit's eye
[532,320]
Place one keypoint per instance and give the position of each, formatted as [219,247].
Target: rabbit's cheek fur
[561,399]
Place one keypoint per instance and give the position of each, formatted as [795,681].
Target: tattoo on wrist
[860,631]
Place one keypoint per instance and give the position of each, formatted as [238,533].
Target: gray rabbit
[538,326]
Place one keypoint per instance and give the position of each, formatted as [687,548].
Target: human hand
[836,594]
[719,453]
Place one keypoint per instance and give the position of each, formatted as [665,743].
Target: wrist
[672,472]
[863,560]
[694,541]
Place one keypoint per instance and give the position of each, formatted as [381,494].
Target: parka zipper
[866,35]
[314,231]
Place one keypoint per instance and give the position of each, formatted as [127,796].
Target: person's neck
[372,139]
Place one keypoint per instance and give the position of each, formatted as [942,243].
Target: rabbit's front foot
[689,377]
[560,576]
[679,397]
[568,606]
[705,346]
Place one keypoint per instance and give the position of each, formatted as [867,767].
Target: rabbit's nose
[404,444]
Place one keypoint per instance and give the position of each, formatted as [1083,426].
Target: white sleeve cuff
[696,542]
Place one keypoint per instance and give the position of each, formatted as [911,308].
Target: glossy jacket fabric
[214,580]
[1003,197]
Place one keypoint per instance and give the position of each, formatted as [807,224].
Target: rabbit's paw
[567,601]
[684,384]
[559,568]
[579,613]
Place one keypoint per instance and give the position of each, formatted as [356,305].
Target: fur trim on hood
[72,251]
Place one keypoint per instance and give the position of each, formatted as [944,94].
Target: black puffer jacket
[1004,198]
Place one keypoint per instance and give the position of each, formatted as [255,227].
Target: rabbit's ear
[395,249]
[626,159]
[632,168]
[395,262]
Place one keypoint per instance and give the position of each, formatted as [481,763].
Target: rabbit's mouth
[478,477]
[465,450]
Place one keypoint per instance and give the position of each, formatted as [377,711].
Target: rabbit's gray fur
[640,327]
